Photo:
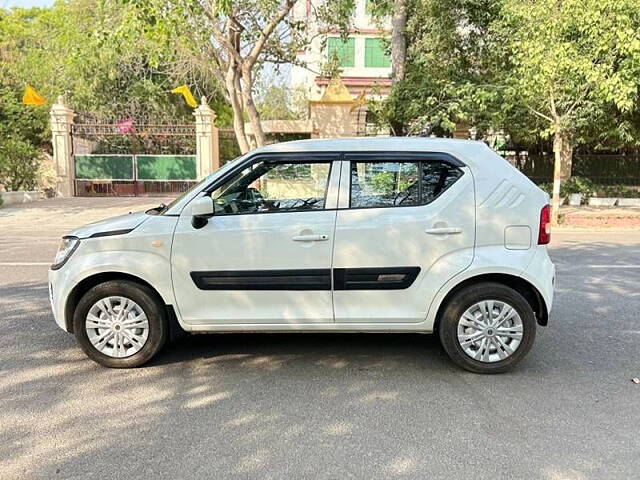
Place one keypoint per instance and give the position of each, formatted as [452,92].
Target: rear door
[405,225]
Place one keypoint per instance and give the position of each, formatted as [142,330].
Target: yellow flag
[31,97]
[186,93]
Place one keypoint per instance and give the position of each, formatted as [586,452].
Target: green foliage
[389,183]
[618,191]
[580,185]
[446,55]
[384,182]
[569,66]
[527,68]
[21,121]
[22,134]
[73,48]
[277,101]
[19,164]
[587,188]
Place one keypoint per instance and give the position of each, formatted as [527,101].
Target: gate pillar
[207,143]
[61,118]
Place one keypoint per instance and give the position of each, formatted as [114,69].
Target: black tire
[464,299]
[153,308]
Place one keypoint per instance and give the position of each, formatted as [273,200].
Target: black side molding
[384,278]
[311,279]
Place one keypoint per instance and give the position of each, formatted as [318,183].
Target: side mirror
[201,211]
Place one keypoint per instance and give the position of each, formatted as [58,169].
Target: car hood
[111,226]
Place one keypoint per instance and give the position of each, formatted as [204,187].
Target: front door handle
[310,238]
[443,230]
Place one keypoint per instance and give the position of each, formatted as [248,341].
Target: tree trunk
[252,111]
[563,153]
[236,105]
[398,40]
[567,161]
[398,55]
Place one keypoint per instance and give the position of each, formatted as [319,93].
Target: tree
[19,164]
[571,64]
[232,41]
[22,134]
[445,60]
[277,101]
[71,49]
[534,69]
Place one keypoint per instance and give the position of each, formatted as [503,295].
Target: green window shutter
[345,50]
[375,54]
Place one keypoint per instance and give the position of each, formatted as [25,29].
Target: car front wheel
[120,324]
[487,328]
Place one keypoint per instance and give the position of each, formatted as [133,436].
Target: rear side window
[400,184]
[437,176]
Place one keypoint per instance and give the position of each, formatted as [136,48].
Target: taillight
[544,236]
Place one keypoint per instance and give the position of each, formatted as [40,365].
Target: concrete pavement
[320,406]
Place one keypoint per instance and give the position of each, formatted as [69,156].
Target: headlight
[67,246]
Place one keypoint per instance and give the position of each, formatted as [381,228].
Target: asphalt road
[321,406]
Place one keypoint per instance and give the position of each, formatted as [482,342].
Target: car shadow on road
[333,350]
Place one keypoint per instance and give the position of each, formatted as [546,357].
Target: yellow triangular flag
[31,97]
[186,93]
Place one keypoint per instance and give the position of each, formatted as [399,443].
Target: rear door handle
[443,230]
[310,238]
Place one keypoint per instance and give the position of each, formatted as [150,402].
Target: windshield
[187,194]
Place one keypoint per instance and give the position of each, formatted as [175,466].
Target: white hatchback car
[346,235]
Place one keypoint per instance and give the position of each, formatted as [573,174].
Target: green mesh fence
[94,167]
[166,167]
[150,167]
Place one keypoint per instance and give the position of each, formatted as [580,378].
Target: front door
[265,256]
[405,225]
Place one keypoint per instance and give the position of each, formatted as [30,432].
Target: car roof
[403,144]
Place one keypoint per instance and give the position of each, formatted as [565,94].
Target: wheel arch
[86,284]
[519,284]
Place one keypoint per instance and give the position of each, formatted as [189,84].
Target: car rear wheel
[487,328]
[120,324]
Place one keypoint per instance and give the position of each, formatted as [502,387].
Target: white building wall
[315,56]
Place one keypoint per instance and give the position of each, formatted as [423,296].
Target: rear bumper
[541,273]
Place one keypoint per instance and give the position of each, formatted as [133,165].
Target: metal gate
[129,159]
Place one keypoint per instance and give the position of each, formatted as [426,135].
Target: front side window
[274,187]
[399,184]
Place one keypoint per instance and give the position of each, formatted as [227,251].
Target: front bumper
[58,280]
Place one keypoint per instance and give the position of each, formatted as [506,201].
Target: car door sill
[310,327]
